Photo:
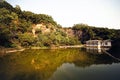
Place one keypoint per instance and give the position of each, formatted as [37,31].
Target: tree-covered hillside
[16,29]
[25,29]
[85,32]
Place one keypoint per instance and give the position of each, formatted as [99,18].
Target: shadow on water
[43,64]
[115,49]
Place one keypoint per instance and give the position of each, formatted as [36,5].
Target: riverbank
[59,47]
[74,46]
[4,51]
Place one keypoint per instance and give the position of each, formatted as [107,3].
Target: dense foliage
[16,29]
[90,32]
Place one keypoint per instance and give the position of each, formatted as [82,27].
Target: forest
[16,30]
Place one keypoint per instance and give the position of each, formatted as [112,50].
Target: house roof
[98,40]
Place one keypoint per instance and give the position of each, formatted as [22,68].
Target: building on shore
[98,44]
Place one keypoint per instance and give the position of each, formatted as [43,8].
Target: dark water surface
[60,64]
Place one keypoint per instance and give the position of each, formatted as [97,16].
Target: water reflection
[95,72]
[96,50]
[48,64]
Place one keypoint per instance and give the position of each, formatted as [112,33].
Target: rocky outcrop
[36,27]
[74,33]
[82,36]
[69,32]
[43,28]
[78,33]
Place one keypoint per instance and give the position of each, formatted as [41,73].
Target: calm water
[60,64]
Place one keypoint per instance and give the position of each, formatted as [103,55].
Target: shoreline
[59,47]
[4,51]
[74,46]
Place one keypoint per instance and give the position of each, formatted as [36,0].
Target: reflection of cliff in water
[41,64]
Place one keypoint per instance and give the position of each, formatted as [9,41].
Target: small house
[98,43]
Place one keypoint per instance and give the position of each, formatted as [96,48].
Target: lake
[59,64]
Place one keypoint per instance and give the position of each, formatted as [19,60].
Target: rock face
[72,33]
[43,28]
[35,27]
[49,28]
[82,36]
[69,31]
[78,33]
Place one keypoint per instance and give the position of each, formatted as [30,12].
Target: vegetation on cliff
[25,29]
[16,28]
[85,32]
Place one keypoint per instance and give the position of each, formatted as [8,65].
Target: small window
[106,43]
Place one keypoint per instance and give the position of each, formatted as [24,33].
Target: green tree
[26,39]
[6,5]
[5,36]
[5,16]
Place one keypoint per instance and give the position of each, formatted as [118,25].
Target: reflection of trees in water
[41,64]
[115,49]
[95,59]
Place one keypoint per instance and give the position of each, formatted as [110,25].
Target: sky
[99,13]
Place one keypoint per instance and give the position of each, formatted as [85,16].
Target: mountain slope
[25,29]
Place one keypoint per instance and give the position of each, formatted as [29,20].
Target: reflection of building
[93,50]
[98,44]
